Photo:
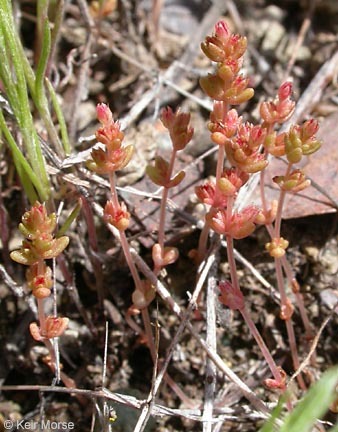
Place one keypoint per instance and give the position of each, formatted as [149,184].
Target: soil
[137,62]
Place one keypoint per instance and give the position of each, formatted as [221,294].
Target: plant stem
[260,342]
[288,321]
[299,298]
[165,192]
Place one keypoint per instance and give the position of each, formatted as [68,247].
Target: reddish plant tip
[178,125]
[104,114]
[281,108]
[285,91]
[222,30]
[37,226]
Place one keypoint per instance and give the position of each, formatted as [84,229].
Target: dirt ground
[139,56]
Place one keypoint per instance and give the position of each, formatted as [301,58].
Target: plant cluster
[247,148]
[38,246]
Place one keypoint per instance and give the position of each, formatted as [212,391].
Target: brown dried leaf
[322,168]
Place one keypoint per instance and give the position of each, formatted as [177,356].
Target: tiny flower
[36,221]
[117,216]
[207,195]
[54,327]
[309,129]
[223,45]
[228,70]
[242,152]
[222,31]
[281,109]
[238,225]
[231,296]
[294,182]
[110,133]
[110,136]
[213,46]
[243,222]
[231,181]
[277,247]
[162,258]
[39,280]
[105,162]
[223,125]
[301,140]
[251,136]
[238,92]
[159,174]
[275,144]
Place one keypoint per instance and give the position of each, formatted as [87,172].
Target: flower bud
[39,280]
[104,114]
[162,258]
[281,109]
[293,145]
[238,225]
[222,31]
[37,221]
[231,181]
[275,144]
[294,182]
[285,90]
[277,247]
[117,215]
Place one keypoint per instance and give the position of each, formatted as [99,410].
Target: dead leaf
[322,168]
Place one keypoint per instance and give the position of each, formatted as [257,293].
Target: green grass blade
[314,404]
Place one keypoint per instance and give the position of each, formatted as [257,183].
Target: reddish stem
[288,321]
[165,192]
[260,342]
